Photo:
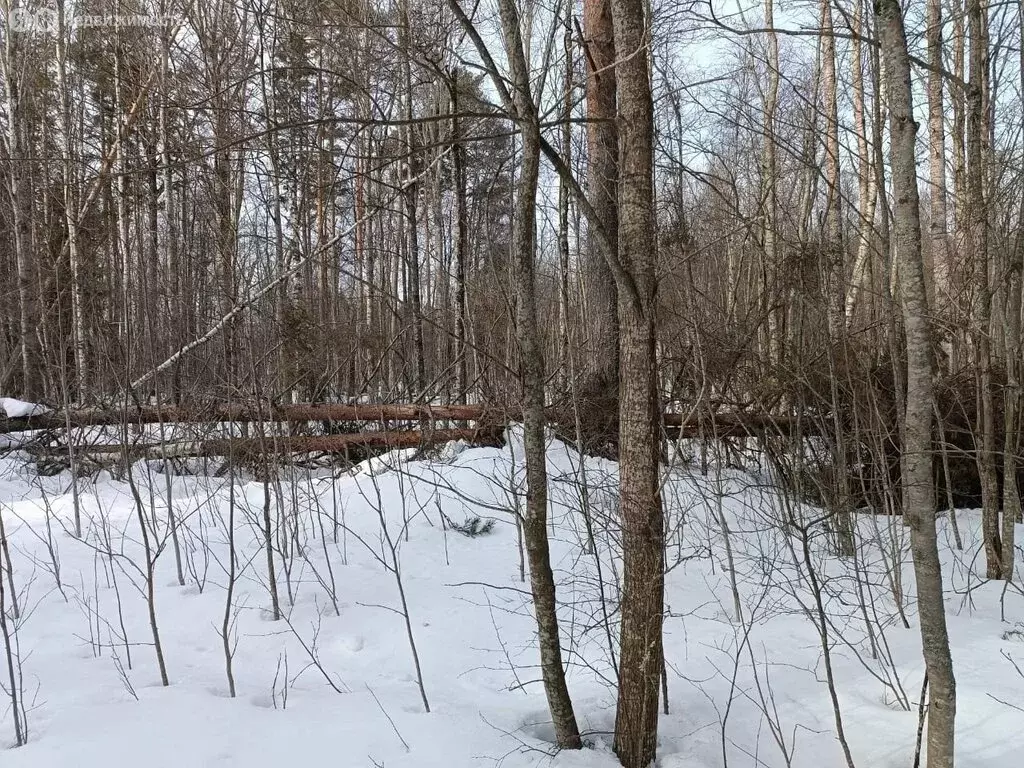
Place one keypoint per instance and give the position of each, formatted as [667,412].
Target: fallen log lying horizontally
[243,413]
[720,424]
[288,444]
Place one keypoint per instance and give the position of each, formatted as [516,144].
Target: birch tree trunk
[867,186]
[13,64]
[769,158]
[938,220]
[123,243]
[177,303]
[958,99]
[79,337]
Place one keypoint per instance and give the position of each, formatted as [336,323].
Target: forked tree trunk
[633,264]
[917,477]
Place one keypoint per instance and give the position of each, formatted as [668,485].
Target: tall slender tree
[635,269]
[601,317]
[917,476]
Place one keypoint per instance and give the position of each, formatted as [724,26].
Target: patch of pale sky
[700,50]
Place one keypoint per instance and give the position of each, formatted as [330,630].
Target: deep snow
[359,704]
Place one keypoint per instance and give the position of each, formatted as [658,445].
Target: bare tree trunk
[960,204]
[226,242]
[641,660]
[531,364]
[412,220]
[121,180]
[79,339]
[868,187]
[176,302]
[1012,394]
[938,220]
[834,280]
[770,195]
[1011,409]
[461,247]
[13,62]
[981,314]
[601,374]
[917,477]
[833,192]
[564,348]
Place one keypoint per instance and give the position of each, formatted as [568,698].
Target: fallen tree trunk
[289,444]
[724,424]
[736,424]
[334,443]
[244,413]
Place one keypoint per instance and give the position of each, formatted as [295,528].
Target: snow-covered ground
[19,409]
[334,681]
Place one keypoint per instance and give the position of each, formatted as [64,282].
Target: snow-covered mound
[19,409]
[364,560]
